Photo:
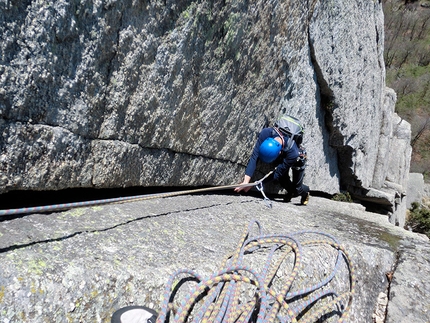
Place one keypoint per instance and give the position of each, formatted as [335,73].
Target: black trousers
[294,186]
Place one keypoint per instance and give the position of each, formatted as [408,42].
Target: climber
[275,146]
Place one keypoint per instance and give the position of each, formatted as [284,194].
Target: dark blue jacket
[284,162]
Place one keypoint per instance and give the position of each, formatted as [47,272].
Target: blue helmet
[269,150]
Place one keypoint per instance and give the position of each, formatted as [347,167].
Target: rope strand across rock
[65,206]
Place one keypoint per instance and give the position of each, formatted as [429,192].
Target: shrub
[419,219]
[342,197]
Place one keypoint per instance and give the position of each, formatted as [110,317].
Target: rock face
[417,189]
[151,93]
[83,264]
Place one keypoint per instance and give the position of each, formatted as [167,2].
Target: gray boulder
[136,93]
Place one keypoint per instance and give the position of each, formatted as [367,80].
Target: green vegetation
[342,197]
[419,219]
[407,61]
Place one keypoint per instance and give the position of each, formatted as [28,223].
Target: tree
[407,62]
[420,132]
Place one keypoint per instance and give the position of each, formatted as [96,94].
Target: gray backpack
[292,128]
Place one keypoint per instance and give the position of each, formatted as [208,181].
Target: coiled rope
[278,292]
[66,206]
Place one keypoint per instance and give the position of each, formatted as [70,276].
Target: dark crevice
[347,178]
[390,276]
[336,138]
[325,91]
[27,199]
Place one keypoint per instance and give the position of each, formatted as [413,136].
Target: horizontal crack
[74,234]
[95,139]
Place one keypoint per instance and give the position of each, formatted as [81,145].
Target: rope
[276,292]
[65,206]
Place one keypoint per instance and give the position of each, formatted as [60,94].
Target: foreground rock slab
[83,264]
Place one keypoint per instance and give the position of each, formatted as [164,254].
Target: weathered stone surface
[416,189]
[83,264]
[149,93]
[408,288]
